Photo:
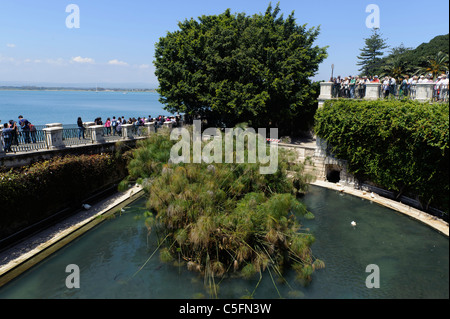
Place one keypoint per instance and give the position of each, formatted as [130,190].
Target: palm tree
[396,67]
[435,65]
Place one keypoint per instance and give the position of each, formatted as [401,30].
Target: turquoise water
[43,107]
[413,260]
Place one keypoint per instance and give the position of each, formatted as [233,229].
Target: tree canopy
[402,61]
[371,53]
[234,68]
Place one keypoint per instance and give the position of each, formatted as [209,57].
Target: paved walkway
[49,239]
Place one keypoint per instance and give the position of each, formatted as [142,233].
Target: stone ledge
[24,255]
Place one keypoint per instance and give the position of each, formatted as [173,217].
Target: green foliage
[233,68]
[148,159]
[371,53]
[227,218]
[399,145]
[33,193]
[410,61]
[434,65]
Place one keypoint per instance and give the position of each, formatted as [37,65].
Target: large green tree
[232,68]
[371,53]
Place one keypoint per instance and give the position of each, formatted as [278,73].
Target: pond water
[413,260]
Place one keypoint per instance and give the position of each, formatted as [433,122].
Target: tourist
[441,87]
[385,87]
[404,87]
[135,126]
[24,125]
[376,79]
[444,88]
[113,125]
[15,132]
[337,86]
[362,86]
[352,86]
[7,137]
[119,127]
[428,79]
[81,128]
[33,132]
[108,126]
[392,86]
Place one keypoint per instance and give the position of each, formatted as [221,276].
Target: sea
[43,107]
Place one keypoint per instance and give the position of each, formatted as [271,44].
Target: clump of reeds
[226,218]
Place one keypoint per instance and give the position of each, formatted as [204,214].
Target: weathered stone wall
[23,159]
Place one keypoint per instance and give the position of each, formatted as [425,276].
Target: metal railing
[72,136]
[138,131]
[75,136]
[28,141]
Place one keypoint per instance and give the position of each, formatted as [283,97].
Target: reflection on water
[413,260]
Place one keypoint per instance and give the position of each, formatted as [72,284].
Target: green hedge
[400,145]
[33,193]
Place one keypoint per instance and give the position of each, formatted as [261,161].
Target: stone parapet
[54,137]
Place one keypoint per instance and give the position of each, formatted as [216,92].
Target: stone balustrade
[373,91]
[54,136]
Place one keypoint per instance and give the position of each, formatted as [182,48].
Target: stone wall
[24,159]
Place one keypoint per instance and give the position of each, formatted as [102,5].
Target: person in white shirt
[404,87]
[443,93]
[385,87]
[362,86]
[345,85]
[428,79]
[392,86]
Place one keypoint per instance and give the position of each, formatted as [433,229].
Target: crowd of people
[113,126]
[22,131]
[355,86]
[12,130]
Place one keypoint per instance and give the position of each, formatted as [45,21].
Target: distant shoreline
[35,88]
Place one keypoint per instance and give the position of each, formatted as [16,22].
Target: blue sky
[115,42]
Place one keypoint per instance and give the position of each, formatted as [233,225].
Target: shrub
[399,145]
[35,192]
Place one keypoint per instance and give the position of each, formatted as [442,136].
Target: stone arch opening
[333,173]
